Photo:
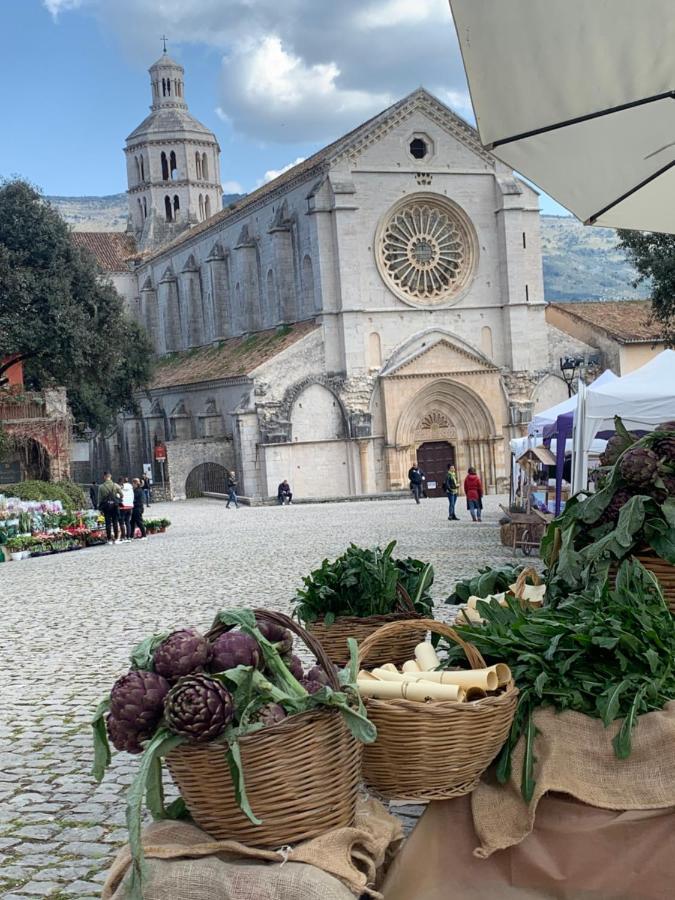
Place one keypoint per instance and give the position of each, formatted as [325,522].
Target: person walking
[232,491]
[109,496]
[145,485]
[451,488]
[284,494]
[473,490]
[137,511]
[126,507]
[416,479]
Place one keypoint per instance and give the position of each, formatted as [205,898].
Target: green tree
[61,316]
[653,256]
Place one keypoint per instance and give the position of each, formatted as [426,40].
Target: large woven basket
[439,749]
[302,775]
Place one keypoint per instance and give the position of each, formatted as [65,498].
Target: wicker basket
[439,749]
[399,648]
[302,775]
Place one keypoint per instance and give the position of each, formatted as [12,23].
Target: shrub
[70,494]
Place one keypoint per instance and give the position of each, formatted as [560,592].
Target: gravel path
[70,620]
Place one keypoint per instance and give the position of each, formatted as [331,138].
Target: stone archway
[206,477]
[448,411]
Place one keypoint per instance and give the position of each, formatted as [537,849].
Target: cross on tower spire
[164,39]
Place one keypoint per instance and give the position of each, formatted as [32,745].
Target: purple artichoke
[294,665]
[281,637]
[639,467]
[611,513]
[198,708]
[270,714]
[311,686]
[232,649]
[665,447]
[137,700]
[182,653]
[665,426]
[669,481]
[615,447]
[317,674]
[124,737]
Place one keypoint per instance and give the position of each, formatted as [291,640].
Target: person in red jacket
[474,494]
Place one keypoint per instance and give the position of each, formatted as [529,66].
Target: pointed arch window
[173,167]
[138,169]
[140,209]
[163,87]
[205,167]
[168,87]
[142,168]
[207,207]
[176,206]
[198,164]
[145,207]
[167,208]
[201,207]
[165,167]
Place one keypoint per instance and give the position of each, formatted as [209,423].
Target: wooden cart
[527,530]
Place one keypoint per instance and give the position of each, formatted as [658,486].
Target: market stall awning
[579,97]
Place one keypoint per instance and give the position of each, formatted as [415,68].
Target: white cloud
[232,187]
[57,6]
[390,13]
[271,174]
[300,70]
[275,95]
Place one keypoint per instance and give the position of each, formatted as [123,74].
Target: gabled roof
[348,143]
[110,249]
[626,321]
[233,358]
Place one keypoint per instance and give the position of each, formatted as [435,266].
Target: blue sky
[275,81]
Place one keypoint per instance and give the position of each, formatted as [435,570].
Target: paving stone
[56,825]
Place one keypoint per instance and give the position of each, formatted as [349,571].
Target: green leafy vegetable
[101,745]
[487,582]
[364,582]
[607,652]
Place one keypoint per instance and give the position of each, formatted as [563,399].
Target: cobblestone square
[70,620]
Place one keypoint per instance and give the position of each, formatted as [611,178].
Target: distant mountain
[580,263]
[583,263]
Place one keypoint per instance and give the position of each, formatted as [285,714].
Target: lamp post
[569,365]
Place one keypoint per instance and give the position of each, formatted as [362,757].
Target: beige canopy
[579,97]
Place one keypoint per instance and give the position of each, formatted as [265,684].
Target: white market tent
[643,398]
[550,416]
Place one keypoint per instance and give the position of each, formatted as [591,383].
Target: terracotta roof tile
[110,249]
[232,358]
[627,321]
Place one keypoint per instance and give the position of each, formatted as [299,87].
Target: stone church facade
[381,301]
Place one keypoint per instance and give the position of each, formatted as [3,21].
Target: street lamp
[569,365]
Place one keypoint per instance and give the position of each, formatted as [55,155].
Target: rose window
[425,251]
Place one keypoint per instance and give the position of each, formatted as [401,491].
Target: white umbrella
[579,97]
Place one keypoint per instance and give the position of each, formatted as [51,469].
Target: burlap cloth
[185,863]
[575,756]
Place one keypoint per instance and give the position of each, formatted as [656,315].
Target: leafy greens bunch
[183,688]
[364,582]
[608,653]
[635,509]
[488,581]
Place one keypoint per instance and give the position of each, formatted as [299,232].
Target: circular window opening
[418,148]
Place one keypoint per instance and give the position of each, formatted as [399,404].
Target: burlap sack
[185,863]
[574,755]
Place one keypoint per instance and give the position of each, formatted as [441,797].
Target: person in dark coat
[93,495]
[416,479]
[232,491]
[284,494]
[137,511]
[473,490]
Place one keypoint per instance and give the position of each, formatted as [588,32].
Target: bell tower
[173,163]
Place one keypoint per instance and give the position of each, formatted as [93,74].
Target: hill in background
[580,263]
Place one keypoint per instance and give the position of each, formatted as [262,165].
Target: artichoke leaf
[101,746]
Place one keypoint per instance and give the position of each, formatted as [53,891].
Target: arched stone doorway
[207,477]
[444,418]
[28,460]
